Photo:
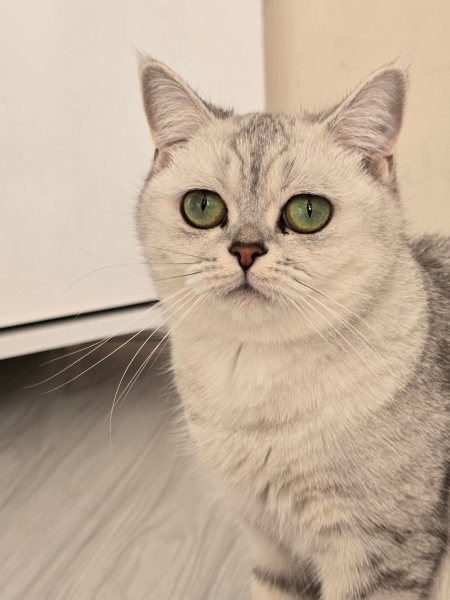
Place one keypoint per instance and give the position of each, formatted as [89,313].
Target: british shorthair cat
[309,334]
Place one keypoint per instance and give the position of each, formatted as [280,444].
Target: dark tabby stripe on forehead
[255,135]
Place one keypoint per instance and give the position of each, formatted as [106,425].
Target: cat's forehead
[256,142]
[259,137]
[257,128]
[259,150]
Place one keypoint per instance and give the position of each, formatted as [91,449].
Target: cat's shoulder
[432,253]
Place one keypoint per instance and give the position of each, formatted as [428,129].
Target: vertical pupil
[309,207]
[204,202]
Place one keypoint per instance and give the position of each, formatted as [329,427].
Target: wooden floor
[81,519]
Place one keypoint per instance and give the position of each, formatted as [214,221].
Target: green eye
[306,213]
[203,209]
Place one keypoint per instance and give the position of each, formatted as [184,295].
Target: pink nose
[247,254]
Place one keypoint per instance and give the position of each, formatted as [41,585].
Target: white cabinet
[75,148]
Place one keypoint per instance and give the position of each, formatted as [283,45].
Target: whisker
[206,317]
[318,320]
[336,302]
[131,383]
[47,362]
[140,264]
[98,270]
[353,288]
[310,322]
[126,391]
[155,360]
[91,367]
[105,340]
[98,343]
[178,276]
[385,325]
[189,294]
[175,251]
[142,367]
[93,255]
[102,359]
[360,336]
[399,260]
[346,323]
[315,309]
[71,324]
[347,342]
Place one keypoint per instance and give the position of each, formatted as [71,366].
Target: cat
[309,336]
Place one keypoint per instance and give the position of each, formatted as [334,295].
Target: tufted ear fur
[174,112]
[369,120]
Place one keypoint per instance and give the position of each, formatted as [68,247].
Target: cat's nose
[247,253]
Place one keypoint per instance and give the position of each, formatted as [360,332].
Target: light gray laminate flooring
[81,519]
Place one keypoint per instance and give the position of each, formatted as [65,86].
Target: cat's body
[318,398]
[306,473]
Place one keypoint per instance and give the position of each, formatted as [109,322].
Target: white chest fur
[272,423]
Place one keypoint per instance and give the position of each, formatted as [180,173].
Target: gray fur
[304,584]
[320,404]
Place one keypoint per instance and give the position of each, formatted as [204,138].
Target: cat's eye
[306,213]
[203,209]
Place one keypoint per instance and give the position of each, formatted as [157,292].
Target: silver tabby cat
[310,336]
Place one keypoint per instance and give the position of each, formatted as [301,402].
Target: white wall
[74,144]
[317,51]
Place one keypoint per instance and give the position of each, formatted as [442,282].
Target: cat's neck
[352,370]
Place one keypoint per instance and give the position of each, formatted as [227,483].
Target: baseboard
[79,329]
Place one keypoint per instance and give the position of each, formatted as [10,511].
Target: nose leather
[247,254]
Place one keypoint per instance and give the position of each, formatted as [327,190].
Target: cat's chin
[247,294]
[249,306]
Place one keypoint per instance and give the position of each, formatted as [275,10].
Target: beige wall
[318,50]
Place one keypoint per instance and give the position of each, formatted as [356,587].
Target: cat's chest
[231,382]
[258,424]
[251,411]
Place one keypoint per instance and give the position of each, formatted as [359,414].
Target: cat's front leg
[265,591]
[276,576]
[357,568]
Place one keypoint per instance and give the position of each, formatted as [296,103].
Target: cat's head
[267,225]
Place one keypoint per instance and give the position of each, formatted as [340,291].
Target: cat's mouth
[245,289]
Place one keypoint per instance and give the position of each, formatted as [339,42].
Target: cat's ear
[174,111]
[369,120]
